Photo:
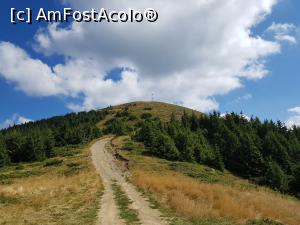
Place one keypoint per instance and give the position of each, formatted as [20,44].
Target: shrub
[4,158]
[123,113]
[118,127]
[164,147]
[132,117]
[145,116]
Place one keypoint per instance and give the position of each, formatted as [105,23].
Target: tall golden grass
[53,198]
[202,200]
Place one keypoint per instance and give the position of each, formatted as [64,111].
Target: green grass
[123,202]
[53,162]
[68,151]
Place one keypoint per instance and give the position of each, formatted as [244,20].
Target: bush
[118,127]
[145,116]
[166,148]
[123,113]
[132,117]
[275,177]
[4,158]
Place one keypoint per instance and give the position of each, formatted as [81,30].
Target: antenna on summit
[152,97]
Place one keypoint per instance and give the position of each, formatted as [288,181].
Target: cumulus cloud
[295,119]
[284,32]
[194,52]
[295,110]
[29,75]
[16,119]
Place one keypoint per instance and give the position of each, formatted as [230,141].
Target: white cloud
[242,116]
[284,32]
[16,119]
[194,52]
[29,75]
[295,119]
[295,110]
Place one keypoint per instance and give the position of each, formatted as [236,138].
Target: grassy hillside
[157,109]
[58,183]
[137,110]
[267,153]
[197,194]
[62,190]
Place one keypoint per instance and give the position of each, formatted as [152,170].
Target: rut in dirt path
[110,173]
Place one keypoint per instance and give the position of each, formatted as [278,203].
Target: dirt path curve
[109,172]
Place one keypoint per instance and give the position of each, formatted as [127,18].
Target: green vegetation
[123,202]
[43,139]
[118,127]
[266,153]
[53,162]
[191,175]
[193,194]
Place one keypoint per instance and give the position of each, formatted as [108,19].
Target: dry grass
[198,192]
[63,194]
[195,199]
[157,109]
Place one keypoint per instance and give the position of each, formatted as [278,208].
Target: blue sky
[268,97]
[279,91]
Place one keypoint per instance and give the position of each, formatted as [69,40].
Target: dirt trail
[110,173]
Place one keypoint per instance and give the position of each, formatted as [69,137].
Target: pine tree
[275,177]
[4,157]
[166,148]
[184,143]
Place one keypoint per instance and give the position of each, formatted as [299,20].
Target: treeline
[265,152]
[36,141]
